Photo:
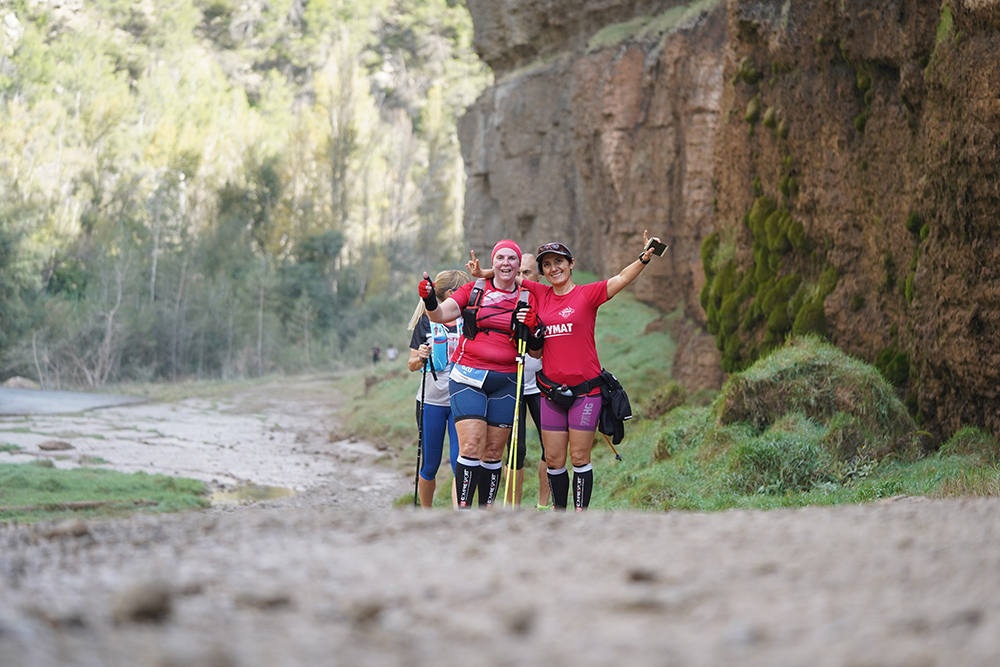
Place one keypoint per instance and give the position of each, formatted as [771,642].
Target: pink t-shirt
[570,353]
[493,348]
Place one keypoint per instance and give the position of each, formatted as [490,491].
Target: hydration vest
[470,314]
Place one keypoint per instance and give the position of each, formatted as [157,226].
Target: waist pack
[615,406]
[561,394]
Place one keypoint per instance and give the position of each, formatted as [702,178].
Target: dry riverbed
[332,575]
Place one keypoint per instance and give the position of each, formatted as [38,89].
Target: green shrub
[973,442]
[815,378]
[914,222]
[686,427]
[664,399]
[777,463]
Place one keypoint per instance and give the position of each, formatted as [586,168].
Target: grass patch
[30,493]
[651,27]
[9,447]
[806,426]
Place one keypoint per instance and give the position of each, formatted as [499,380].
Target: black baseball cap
[555,248]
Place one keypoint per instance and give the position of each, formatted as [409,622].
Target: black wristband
[644,261]
[431,301]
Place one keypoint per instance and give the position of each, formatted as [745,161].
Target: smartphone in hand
[658,248]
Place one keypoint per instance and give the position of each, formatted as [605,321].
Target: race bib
[474,377]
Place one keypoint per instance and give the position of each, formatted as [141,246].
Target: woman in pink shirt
[570,363]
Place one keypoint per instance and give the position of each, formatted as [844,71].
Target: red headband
[506,243]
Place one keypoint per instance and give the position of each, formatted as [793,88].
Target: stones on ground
[263,599]
[145,602]
[54,445]
[67,528]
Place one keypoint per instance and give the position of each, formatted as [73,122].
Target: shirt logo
[566,312]
[564,329]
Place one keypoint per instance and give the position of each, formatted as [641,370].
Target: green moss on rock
[752,114]
[770,119]
[811,319]
[748,72]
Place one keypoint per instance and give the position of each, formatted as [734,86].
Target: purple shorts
[581,416]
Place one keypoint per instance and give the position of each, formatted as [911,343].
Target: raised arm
[631,272]
[445,311]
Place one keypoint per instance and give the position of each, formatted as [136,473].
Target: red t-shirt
[570,353]
[493,348]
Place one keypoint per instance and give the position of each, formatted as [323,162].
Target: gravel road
[333,576]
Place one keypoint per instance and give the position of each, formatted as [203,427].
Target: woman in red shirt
[482,382]
[569,357]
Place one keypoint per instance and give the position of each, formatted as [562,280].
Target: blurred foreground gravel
[314,580]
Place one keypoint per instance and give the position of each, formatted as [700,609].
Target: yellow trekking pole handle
[511,452]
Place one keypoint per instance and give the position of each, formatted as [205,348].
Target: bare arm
[447,311]
[631,272]
[418,356]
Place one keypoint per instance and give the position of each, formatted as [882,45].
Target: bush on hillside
[847,397]
[974,442]
[665,399]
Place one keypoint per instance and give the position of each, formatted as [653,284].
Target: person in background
[391,353]
[483,379]
[530,402]
[431,347]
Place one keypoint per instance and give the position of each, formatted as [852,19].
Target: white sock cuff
[583,468]
[554,471]
[491,465]
[468,463]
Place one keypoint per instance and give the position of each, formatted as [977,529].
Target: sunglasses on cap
[557,248]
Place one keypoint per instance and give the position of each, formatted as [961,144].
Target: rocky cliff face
[601,124]
[827,167]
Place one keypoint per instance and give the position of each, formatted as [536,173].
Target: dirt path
[331,576]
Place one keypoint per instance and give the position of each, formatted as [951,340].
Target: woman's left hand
[647,251]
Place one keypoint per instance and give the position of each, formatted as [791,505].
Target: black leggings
[529,403]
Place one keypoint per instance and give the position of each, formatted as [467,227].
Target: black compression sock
[489,482]
[559,483]
[583,485]
[466,478]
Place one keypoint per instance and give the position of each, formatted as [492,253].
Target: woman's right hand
[424,351]
[476,271]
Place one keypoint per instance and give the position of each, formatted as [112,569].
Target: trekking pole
[420,434]
[617,455]
[509,489]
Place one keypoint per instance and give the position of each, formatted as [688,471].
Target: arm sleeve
[461,295]
[598,293]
